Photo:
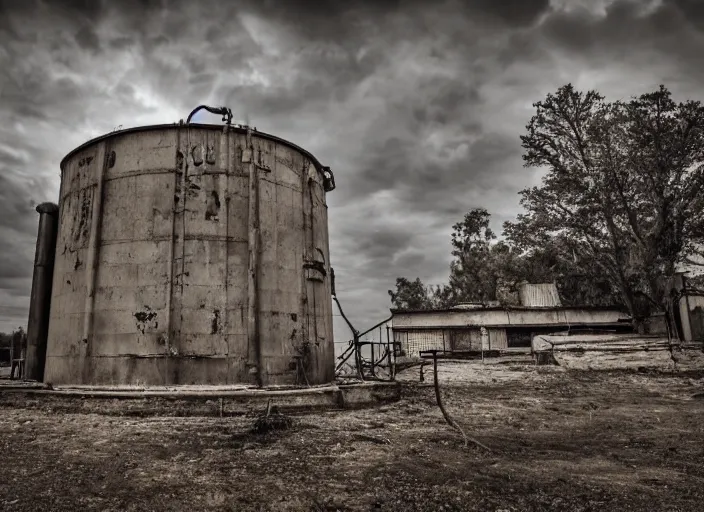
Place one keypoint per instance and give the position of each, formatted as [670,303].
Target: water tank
[191,254]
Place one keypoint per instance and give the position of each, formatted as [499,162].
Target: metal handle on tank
[328,179]
[224,111]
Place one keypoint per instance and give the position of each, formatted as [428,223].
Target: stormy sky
[417,106]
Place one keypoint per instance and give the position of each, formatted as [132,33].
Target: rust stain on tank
[210,155]
[215,323]
[192,188]
[197,154]
[83,213]
[85,161]
[212,207]
[145,319]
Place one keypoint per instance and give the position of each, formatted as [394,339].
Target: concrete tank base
[195,400]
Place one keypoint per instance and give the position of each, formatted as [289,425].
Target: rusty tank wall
[191,254]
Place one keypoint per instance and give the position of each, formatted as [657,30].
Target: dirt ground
[562,440]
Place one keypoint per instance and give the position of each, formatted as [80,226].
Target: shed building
[476,327]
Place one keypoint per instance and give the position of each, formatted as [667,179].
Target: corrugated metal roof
[539,295]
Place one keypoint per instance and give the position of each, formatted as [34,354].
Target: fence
[411,343]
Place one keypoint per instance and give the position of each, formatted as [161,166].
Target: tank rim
[151,127]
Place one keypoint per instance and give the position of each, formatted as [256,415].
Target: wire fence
[412,343]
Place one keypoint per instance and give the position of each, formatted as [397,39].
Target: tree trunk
[640,325]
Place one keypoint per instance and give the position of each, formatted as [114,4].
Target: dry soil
[562,440]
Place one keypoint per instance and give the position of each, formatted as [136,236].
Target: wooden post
[392,357]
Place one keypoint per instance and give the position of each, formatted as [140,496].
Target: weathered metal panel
[539,295]
[70,287]
[137,153]
[497,339]
[172,273]
[466,339]
[471,339]
[692,314]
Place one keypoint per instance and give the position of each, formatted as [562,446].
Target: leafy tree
[484,269]
[472,276]
[559,259]
[411,295]
[622,194]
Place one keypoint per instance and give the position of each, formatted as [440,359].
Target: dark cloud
[513,12]
[692,11]
[88,39]
[417,106]
[18,284]
[380,243]
[18,219]
[431,184]
[628,29]
[84,10]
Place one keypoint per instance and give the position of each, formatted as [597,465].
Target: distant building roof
[509,316]
[539,295]
[508,308]
[478,305]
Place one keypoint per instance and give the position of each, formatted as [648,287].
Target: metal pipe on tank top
[40,298]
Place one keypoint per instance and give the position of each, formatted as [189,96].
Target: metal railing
[379,365]
[15,360]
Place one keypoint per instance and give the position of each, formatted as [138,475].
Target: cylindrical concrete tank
[191,254]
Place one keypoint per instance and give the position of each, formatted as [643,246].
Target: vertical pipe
[40,301]
[381,341]
[92,264]
[372,362]
[381,345]
[305,310]
[12,355]
[688,329]
[312,254]
[178,168]
[225,164]
[254,269]
[358,357]
[173,364]
[391,352]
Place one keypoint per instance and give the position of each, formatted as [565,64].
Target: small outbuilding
[475,327]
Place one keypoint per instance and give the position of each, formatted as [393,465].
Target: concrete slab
[194,400]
